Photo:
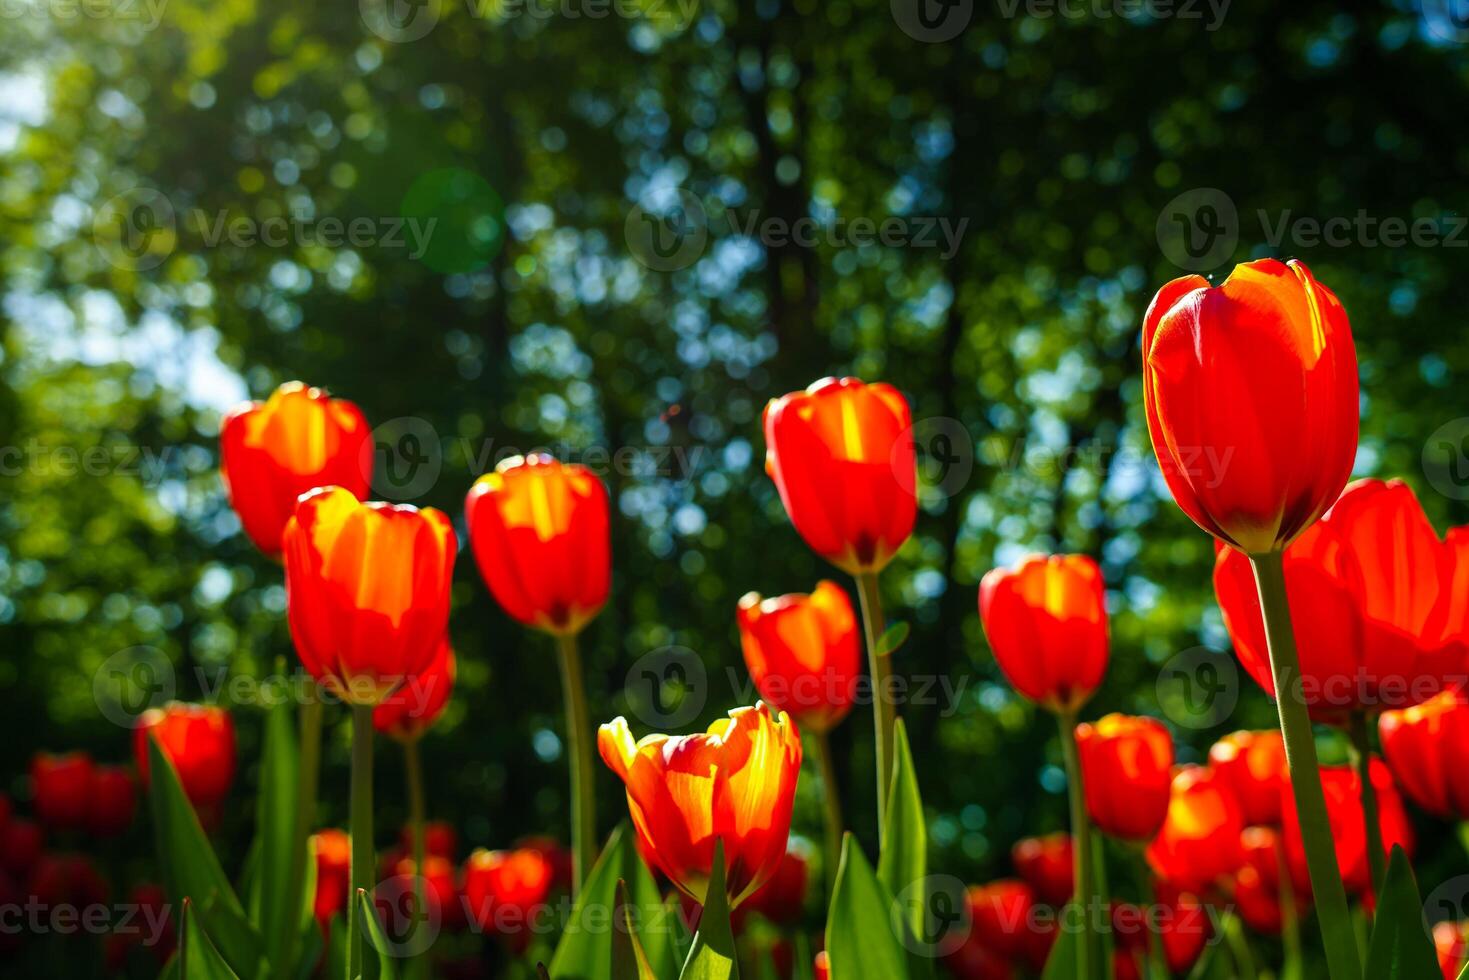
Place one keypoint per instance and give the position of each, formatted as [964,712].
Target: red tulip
[1046,622]
[734,784]
[1448,943]
[62,787]
[439,837]
[440,890]
[413,708]
[1252,768]
[821,966]
[1124,965]
[1376,619]
[149,925]
[67,879]
[1199,842]
[558,855]
[1250,389]
[507,892]
[842,458]
[1257,902]
[367,590]
[1183,925]
[1127,774]
[1348,828]
[1047,865]
[1001,913]
[200,742]
[332,850]
[803,653]
[541,534]
[21,841]
[972,961]
[1424,746]
[272,452]
[113,800]
[782,899]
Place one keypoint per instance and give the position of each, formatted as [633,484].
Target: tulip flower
[1257,900]
[507,892]
[1449,946]
[412,709]
[782,899]
[21,841]
[61,787]
[439,838]
[803,653]
[1184,927]
[112,801]
[734,784]
[66,880]
[332,851]
[1001,916]
[200,742]
[274,451]
[1348,827]
[1046,621]
[972,960]
[1127,772]
[1199,842]
[1371,586]
[1046,864]
[1252,767]
[440,891]
[821,966]
[1424,747]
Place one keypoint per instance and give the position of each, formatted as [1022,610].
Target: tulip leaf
[712,956]
[585,948]
[1061,964]
[892,638]
[197,957]
[629,960]
[373,928]
[860,941]
[903,863]
[1400,947]
[275,831]
[804,967]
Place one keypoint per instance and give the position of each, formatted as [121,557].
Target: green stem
[1362,760]
[1157,964]
[1082,835]
[307,778]
[881,668]
[413,769]
[833,799]
[362,852]
[1290,920]
[1305,774]
[579,748]
[1239,948]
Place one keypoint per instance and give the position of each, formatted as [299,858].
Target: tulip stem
[579,749]
[881,667]
[833,798]
[1290,920]
[1239,948]
[1081,833]
[1157,963]
[1305,774]
[1362,760]
[413,770]
[307,775]
[361,814]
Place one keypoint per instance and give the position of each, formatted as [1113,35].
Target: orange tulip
[1449,945]
[274,451]
[1250,389]
[1342,790]
[1127,772]
[1047,865]
[199,740]
[1252,767]
[1046,622]
[841,455]
[61,787]
[506,891]
[1373,599]
[734,784]
[1199,842]
[332,850]
[413,708]
[803,653]
[1424,746]
[367,590]
[541,534]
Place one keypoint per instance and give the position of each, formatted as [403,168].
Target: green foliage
[861,940]
[713,955]
[1400,947]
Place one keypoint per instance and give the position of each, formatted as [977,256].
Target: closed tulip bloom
[1127,773]
[61,786]
[1342,790]
[440,891]
[1199,842]
[1372,597]
[1252,767]
[1262,851]
[782,899]
[1449,946]
[734,784]
[113,801]
[1257,901]
[332,851]
[21,842]
[413,708]
[439,837]
[272,452]
[541,534]
[367,590]
[200,742]
[1000,913]
[1425,747]
[1046,621]
[506,891]
[1184,926]
[841,456]
[803,653]
[1250,389]
[1046,864]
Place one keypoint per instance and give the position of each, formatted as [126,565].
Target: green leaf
[629,960]
[860,942]
[895,636]
[197,957]
[1400,948]
[1061,964]
[804,967]
[713,954]
[387,965]
[903,863]
[585,948]
[275,830]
